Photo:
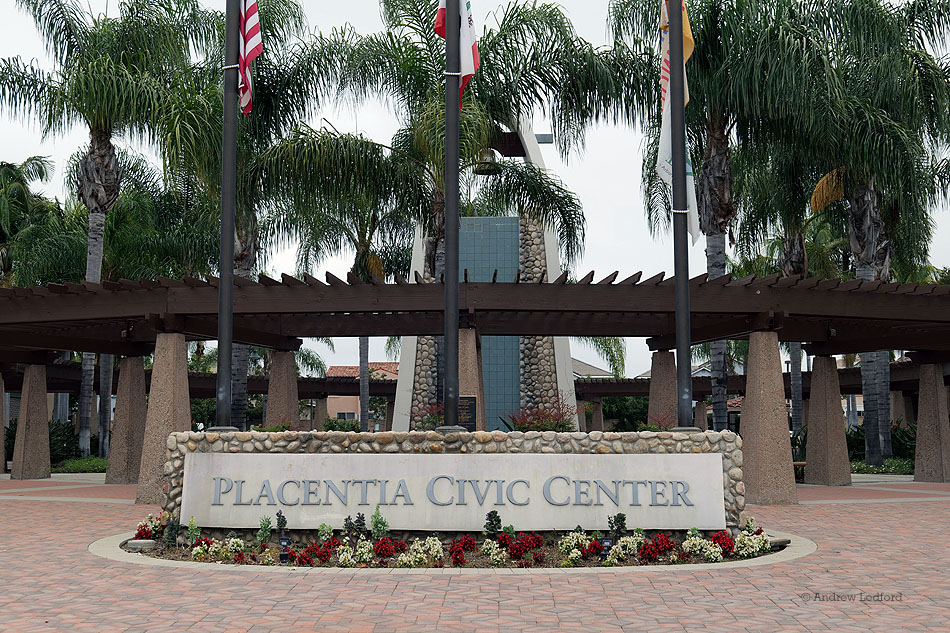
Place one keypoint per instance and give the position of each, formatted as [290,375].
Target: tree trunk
[105,402]
[870,249]
[435,263]
[884,403]
[795,354]
[98,178]
[364,384]
[719,372]
[852,411]
[716,212]
[245,261]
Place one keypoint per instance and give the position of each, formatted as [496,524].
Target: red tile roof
[353,371]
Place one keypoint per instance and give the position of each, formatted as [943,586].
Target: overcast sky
[606,175]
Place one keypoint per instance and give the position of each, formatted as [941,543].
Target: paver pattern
[869,542]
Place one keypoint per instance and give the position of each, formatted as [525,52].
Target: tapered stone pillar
[699,416]
[471,380]
[767,451]
[169,410]
[826,450]
[582,416]
[3,426]
[932,459]
[31,451]
[283,406]
[662,406]
[128,426]
[390,414]
[597,414]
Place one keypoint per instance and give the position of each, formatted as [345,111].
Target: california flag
[664,163]
[467,41]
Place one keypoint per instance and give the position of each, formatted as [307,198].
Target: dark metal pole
[684,383]
[451,337]
[228,188]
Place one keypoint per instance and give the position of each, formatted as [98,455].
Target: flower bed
[357,545]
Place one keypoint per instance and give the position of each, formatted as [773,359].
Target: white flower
[575,556]
[344,554]
[421,553]
[749,544]
[573,541]
[626,547]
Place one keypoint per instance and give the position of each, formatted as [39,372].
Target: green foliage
[492,524]
[89,464]
[281,521]
[170,536]
[892,466]
[325,531]
[263,534]
[203,412]
[618,525]
[630,412]
[333,424]
[272,428]
[554,416]
[903,441]
[379,526]
[63,443]
[193,532]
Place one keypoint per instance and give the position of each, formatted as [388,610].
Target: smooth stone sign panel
[453,493]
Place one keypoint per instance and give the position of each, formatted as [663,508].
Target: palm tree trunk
[98,178]
[852,411]
[884,403]
[244,263]
[105,402]
[871,251]
[795,354]
[716,212]
[716,267]
[364,383]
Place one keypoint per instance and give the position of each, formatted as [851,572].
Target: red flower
[384,548]
[538,557]
[517,549]
[663,542]
[504,539]
[143,534]
[648,552]
[468,543]
[400,546]
[594,548]
[724,541]
[457,551]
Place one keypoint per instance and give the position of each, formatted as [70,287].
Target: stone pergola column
[3,426]
[767,451]
[169,410]
[581,416]
[699,416]
[597,413]
[128,426]
[390,414]
[932,458]
[471,379]
[662,406]
[826,450]
[319,413]
[283,406]
[31,451]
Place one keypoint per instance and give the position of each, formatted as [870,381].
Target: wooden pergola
[830,316]
[134,319]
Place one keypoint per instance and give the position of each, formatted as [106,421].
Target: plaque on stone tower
[468,409]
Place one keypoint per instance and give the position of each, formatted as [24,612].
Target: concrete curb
[110,548]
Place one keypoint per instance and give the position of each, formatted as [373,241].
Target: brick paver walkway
[870,542]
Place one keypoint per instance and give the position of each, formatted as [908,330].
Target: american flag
[251,45]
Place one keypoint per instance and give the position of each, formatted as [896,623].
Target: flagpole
[684,381]
[228,188]
[452,96]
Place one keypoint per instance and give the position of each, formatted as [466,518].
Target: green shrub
[332,424]
[89,464]
[379,526]
[273,428]
[63,442]
[892,466]
[492,524]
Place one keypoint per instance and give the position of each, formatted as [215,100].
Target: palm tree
[19,206]
[755,72]
[289,78]
[895,118]
[358,198]
[108,77]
